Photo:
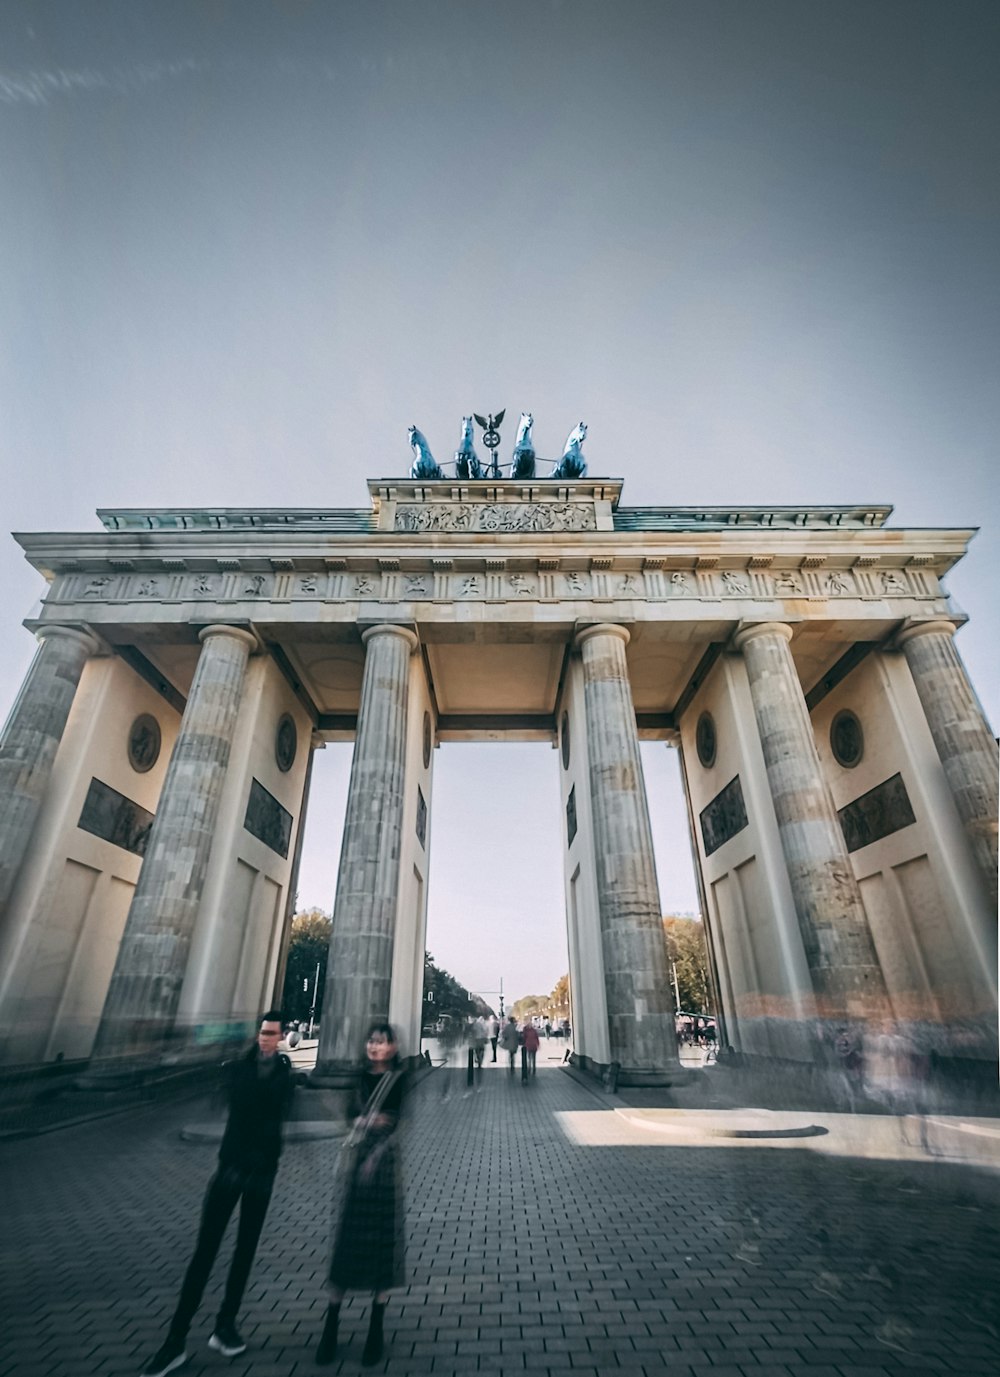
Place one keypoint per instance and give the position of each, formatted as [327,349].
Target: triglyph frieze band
[492,584]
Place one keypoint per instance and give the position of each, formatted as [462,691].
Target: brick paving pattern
[530,1249]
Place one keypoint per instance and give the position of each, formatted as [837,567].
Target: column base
[611,1075]
[333,1075]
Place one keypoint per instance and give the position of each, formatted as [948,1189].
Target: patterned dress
[368,1247]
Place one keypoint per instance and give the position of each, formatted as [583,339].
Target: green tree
[687,953]
[308,948]
[444,995]
[528,1006]
[559,998]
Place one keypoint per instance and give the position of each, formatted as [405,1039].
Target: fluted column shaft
[31,739]
[142,1000]
[359,970]
[847,977]
[640,1007]
[961,735]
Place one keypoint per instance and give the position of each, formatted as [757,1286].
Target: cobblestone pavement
[537,1244]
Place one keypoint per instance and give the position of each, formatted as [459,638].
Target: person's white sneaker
[226,1341]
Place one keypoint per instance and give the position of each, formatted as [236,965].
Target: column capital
[394,629]
[752,630]
[239,633]
[585,633]
[918,626]
[82,634]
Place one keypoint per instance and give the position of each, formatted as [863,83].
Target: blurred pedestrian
[510,1040]
[479,1039]
[494,1034]
[368,1226]
[530,1043]
[259,1090]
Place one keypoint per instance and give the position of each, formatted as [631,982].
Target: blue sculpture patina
[424,464]
[523,463]
[573,464]
[467,463]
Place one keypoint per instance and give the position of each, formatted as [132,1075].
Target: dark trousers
[531,1060]
[252,1189]
[493,1042]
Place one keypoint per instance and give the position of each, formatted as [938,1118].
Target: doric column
[847,977]
[961,734]
[141,1004]
[359,970]
[640,1005]
[31,739]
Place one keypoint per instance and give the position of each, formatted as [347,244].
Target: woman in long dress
[368,1235]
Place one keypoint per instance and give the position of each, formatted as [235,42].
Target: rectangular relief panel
[421,818]
[267,820]
[571,816]
[113,817]
[724,816]
[877,814]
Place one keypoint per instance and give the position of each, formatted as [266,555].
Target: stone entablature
[517,580]
[524,544]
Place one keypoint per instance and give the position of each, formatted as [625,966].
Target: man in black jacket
[259,1089]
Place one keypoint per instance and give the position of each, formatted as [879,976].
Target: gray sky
[754,245]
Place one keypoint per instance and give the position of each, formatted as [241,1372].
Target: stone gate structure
[154,772]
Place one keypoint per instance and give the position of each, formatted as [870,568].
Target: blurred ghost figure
[368,1241]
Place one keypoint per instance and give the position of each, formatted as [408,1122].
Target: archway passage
[840,776]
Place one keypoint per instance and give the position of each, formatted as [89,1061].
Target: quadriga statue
[424,464]
[467,463]
[523,465]
[573,464]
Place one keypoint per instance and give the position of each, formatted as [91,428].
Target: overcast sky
[753,244]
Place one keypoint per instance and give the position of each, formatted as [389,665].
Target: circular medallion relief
[564,736]
[705,741]
[286,743]
[144,743]
[428,740]
[847,740]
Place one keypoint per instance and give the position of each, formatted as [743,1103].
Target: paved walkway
[548,1234]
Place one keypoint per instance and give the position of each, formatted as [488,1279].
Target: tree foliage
[554,1006]
[686,950]
[308,948]
[528,1006]
[444,995]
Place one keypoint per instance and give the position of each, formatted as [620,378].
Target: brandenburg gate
[155,768]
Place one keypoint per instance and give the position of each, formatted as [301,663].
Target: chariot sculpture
[523,463]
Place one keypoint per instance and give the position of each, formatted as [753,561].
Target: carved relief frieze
[494,580]
[838,583]
[786,584]
[735,583]
[893,583]
[501,517]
